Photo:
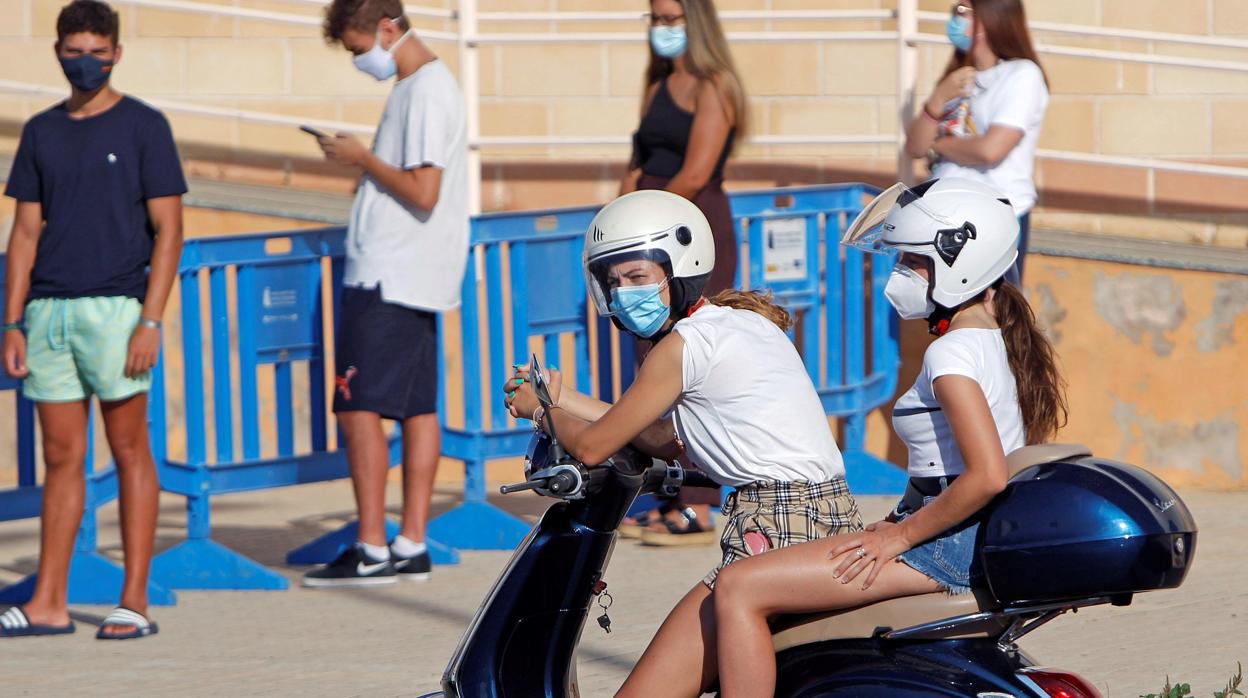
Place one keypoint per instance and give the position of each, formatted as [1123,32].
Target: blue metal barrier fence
[262,305]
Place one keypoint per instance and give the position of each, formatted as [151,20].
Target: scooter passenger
[989,384]
[724,384]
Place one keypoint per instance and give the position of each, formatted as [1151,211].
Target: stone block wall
[585,89]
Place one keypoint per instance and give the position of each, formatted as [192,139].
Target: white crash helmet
[654,225]
[969,231]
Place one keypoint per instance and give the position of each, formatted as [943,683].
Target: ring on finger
[862,552]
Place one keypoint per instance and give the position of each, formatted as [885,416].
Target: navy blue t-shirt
[93,178]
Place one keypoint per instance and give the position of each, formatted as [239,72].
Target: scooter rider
[989,384]
[723,383]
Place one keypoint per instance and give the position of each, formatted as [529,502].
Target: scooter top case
[1084,526]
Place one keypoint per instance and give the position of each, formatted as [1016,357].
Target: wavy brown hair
[1005,25]
[757,301]
[707,57]
[1041,388]
[360,15]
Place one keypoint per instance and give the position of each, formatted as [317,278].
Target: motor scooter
[1069,531]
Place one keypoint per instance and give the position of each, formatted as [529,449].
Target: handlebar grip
[562,482]
[697,478]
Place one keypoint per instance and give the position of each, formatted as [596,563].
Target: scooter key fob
[605,623]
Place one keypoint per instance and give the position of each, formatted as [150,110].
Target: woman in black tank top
[692,113]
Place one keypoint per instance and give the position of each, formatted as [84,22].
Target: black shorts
[387,357]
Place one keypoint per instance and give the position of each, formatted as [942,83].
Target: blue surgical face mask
[669,42]
[639,308]
[959,30]
[86,72]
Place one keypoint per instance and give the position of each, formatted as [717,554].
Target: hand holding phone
[313,132]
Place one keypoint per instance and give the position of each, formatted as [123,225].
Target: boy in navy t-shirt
[98,185]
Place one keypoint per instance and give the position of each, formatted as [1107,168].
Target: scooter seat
[1039,454]
[891,614]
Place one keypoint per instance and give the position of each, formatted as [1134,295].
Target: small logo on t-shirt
[112,158]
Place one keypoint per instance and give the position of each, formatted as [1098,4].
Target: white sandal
[122,616]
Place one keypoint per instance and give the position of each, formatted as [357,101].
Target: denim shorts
[950,558]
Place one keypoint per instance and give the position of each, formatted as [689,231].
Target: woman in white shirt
[983,119]
[724,384]
[989,385]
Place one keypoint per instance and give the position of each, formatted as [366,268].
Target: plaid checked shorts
[786,513]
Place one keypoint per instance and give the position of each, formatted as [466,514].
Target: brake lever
[522,486]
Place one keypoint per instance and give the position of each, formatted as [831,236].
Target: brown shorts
[785,513]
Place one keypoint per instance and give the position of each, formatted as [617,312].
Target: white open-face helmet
[654,225]
[969,231]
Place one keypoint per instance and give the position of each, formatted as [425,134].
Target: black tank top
[661,140]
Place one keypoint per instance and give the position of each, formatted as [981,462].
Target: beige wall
[592,89]
[1153,359]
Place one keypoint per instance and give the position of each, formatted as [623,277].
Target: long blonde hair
[757,301]
[708,58]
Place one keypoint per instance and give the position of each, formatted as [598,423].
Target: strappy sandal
[632,526]
[15,623]
[122,617]
[692,532]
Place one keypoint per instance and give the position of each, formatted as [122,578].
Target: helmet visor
[598,273]
[869,232]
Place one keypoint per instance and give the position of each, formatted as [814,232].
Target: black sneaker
[413,569]
[353,568]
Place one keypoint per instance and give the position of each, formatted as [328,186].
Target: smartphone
[314,132]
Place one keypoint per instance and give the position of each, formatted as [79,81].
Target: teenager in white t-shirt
[983,119]
[724,384]
[989,385]
[407,246]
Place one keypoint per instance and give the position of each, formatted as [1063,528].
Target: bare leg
[64,427]
[368,459]
[422,446]
[125,423]
[685,642]
[796,579]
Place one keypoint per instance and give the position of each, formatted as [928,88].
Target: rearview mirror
[540,387]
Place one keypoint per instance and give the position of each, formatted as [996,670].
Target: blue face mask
[86,72]
[669,42]
[640,309]
[959,30]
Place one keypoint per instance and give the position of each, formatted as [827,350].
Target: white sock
[406,547]
[375,552]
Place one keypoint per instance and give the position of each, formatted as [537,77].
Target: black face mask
[86,73]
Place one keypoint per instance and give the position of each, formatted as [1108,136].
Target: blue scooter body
[522,641]
[876,668]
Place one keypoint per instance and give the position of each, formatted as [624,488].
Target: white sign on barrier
[784,249]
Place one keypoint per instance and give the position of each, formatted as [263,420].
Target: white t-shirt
[749,411]
[918,419]
[417,257]
[1011,93]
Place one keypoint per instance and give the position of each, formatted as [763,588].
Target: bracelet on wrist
[149,323]
[537,419]
[18,325]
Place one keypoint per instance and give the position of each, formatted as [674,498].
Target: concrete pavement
[395,641]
